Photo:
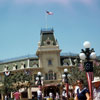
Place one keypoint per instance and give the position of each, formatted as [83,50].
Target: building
[48,60]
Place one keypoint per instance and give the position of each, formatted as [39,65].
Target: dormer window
[48,42]
[6,68]
[22,65]
[15,66]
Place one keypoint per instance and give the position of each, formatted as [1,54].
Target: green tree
[96,70]
[20,78]
[7,87]
[76,74]
[16,79]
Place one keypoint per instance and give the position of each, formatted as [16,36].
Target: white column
[70,62]
[28,65]
[29,93]
[2,97]
[11,94]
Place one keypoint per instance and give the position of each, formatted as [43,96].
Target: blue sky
[74,21]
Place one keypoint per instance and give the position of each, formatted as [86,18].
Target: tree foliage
[76,74]
[15,81]
[96,70]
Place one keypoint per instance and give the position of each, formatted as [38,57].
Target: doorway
[51,89]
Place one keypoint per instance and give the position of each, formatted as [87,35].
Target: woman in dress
[82,92]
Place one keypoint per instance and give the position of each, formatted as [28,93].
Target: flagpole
[47,13]
[46,21]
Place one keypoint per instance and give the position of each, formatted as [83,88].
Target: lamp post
[87,56]
[39,79]
[65,78]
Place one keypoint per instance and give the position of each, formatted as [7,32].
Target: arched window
[50,74]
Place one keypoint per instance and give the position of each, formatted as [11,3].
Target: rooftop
[36,57]
[31,56]
[19,58]
[47,30]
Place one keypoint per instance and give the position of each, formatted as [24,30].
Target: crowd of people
[16,96]
[80,92]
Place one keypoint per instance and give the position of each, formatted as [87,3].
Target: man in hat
[96,90]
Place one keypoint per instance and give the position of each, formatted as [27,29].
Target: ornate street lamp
[65,78]
[88,55]
[39,79]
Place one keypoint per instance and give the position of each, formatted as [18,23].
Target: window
[48,42]
[16,66]
[35,75]
[0,78]
[50,76]
[49,62]
[24,66]
[46,76]
[55,76]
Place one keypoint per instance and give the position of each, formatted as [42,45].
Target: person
[71,93]
[96,90]
[51,96]
[16,95]
[32,96]
[6,98]
[39,94]
[75,91]
[57,96]
[64,95]
[82,92]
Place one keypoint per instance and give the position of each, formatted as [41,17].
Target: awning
[47,85]
[34,89]
[22,90]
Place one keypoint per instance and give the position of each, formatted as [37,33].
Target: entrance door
[51,89]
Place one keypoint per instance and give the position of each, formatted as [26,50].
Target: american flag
[96,63]
[67,89]
[7,73]
[49,13]
[81,68]
[28,72]
[89,79]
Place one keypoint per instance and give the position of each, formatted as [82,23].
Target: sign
[88,66]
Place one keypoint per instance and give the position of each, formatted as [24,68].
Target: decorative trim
[48,42]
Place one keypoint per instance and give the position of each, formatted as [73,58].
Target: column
[28,65]
[2,96]
[11,94]
[29,93]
